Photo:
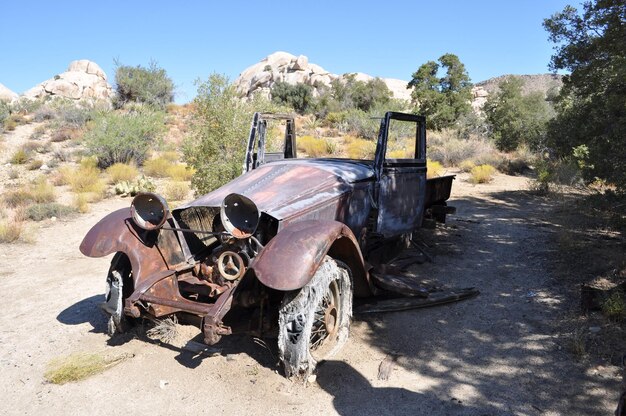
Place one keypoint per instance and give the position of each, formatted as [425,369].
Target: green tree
[149,85]
[442,99]
[298,96]
[221,123]
[591,108]
[517,119]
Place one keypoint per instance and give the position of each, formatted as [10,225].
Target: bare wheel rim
[326,322]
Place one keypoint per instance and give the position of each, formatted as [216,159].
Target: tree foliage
[442,99]
[124,137]
[217,145]
[516,119]
[149,85]
[591,109]
[298,96]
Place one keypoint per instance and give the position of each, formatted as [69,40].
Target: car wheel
[314,322]
[119,287]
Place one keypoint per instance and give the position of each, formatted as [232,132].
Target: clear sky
[192,39]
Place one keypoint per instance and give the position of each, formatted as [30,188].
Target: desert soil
[501,353]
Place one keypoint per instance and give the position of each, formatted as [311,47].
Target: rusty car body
[290,241]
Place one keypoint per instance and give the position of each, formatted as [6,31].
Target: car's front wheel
[314,322]
[119,287]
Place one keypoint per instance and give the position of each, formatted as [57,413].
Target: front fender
[114,233]
[290,259]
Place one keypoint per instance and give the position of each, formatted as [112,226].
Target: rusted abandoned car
[289,242]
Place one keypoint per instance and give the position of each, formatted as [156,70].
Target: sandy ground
[497,354]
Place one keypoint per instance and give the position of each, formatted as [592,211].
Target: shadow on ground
[85,311]
[502,349]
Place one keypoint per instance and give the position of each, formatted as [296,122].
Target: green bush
[149,85]
[298,96]
[216,147]
[42,211]
[124,137]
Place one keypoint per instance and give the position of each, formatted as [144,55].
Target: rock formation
[6,94]
[283,66]
[82,80]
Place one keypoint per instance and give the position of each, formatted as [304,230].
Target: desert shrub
[180,172]
[482,174]
[10,231]
[65,133]
[5,111]
[298,96]
[360,123]
[124,137]
[433,168]
[157,167]
[176,191]
[119,172]
[38,191]
[360,148]
[312,146]
[39,212]
[171,156]
[467,165]
[81,203]
[20,157]
[149,85]
[614,307]
[35,164]
[448,148]
[86,179]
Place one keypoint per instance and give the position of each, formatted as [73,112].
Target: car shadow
[85,311]
[353,394]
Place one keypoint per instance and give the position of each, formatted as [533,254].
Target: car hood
[285,188]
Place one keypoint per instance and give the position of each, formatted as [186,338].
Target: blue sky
[190,40]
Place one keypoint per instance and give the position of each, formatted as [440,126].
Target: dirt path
[496,354]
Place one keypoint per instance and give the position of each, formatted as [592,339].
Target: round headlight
[240,216]
[149,211]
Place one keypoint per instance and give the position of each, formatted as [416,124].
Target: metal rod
[188,230]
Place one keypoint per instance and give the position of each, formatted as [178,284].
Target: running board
[407,303]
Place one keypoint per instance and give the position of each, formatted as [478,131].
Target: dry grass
[400,154]
[176,191]
[39,212]
[359,148]
[20,157]
[314,147]
[35,164]
[433,168]
[578,342]
[120,172]
[482,174]
[467,165]
[76,367]
[157,167]
[180,172]
[67,133]
[86,180]
[171,156]
[165,330]
[10,231]
[38,191]
[81,203]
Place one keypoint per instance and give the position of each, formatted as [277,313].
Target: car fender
[117,233]
[291,258]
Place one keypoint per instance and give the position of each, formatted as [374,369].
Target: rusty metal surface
[299,249]
[115,233]
[438,190]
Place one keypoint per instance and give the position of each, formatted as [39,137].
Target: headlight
[149,211]
[240,216]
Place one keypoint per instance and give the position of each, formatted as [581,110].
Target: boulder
[82,80]
[301,63]
[6,94]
